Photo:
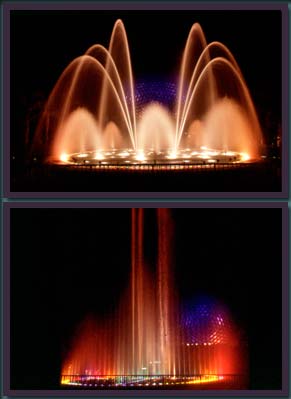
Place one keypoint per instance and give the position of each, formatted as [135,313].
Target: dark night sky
[67,263]
[156,42]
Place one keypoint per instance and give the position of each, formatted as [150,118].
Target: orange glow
[99,156]
[140,156]
[64,158]
[205,379]
[116,159]
[106,117]
[150,339]
[245,157]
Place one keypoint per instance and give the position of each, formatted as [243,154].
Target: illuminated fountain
[153,339]
[91,117]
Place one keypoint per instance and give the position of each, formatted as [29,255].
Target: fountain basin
[84,126]
[146,381]
[137,159]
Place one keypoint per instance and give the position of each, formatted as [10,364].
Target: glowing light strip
[148,157]
[143,381]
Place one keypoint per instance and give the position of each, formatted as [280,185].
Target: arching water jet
[100,85]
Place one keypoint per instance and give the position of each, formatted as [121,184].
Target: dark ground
[259,177]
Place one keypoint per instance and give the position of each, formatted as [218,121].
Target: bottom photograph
[148,299]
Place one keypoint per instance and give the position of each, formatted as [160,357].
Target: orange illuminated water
[91,117]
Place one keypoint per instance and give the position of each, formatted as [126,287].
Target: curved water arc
[242,85]
[196,71]
[117,76]
[107,76]
[120,24]
[196,27]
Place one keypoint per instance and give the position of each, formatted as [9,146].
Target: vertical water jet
[152,338]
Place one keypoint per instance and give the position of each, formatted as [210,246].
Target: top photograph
[145,100]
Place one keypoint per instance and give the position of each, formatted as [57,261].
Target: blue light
[159,91]
[201,321]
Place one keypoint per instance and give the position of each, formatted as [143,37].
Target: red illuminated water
[150,335]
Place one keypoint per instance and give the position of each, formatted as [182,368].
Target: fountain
[153,339]
[91,117]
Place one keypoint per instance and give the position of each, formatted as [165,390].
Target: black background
[43,43]
[67,263]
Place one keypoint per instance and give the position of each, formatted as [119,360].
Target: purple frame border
[114,5]
[73,393]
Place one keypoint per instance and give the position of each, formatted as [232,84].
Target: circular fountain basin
[136,159]
[146,381]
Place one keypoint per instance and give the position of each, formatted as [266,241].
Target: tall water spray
[151,336]
[90,116]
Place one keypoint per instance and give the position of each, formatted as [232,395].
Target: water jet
[154,339]
[91,117]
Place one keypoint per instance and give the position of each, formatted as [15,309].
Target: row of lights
[141,156]
[186,380]
[204,343]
